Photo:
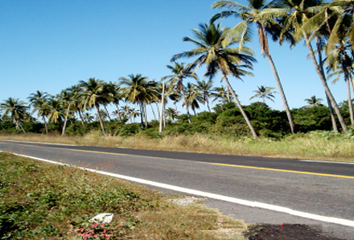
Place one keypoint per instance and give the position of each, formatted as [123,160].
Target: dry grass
[322,146]
[49,202]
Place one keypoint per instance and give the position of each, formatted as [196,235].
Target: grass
[322,145]
[43,201]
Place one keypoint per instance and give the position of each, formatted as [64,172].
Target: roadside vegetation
[44,201]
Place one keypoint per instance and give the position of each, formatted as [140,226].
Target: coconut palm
[193,97]
[17,111]
[296,14]
[313,101]
[217,54]
[139,90]
[171,113]
[264,93]
[66,97]
[180,72]
[341,62]
[39,101]
[257,13]
[93,95]
[87,117]
[205,88]
[56,111]
[220,93]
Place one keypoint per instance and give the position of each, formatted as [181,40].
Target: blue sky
[49,45]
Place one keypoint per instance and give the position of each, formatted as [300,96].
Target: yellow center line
[283,170]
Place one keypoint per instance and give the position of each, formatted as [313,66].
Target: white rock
[102,218]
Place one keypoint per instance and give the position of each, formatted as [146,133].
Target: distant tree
[39,101]
[205,88]
[180,72]
[313,101]
[264,93]
[93,95]
[16,109]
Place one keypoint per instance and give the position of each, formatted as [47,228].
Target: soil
[288,232]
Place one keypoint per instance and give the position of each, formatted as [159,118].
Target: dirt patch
[288,232]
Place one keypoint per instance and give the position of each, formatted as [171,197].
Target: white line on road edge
[334,220]
[319,161]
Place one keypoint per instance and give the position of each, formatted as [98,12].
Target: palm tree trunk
[282,94]
[105,108]
[20,126]
[330,107]
[100,118]
[142,115]
[45,124]
[118,111]
[65,120]
[187,106]
[324,83]
[153,112]
[333,118]
[238,104]
[82,119]
[145,115]
[349,101]
[207,101]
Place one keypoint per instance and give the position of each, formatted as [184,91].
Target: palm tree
[87,117]
[180,72]
[16,109]
[56,111]
[220,93]
[341,63]
[313,101]
[296,14]
[264,93]
[171,113]
[193,97]
[139,90]
[205,89]
[39,101]
[93,95]
[217,54]
[66,97]
[258,13]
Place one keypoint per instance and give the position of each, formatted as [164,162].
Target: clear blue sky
[49,45]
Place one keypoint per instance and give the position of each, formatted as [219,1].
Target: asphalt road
[324,189]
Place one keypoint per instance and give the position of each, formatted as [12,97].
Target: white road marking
[319,161]
[340,221]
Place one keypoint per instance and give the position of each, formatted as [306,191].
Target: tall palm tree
[16,109]
[93,95]
[39,101]
[296,14]
[264,93]
[139,90]
[341,62]
[313,101]
[205,88]
[257,12]
[180,72]
[217,54]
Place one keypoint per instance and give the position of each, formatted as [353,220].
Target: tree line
[325,28]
